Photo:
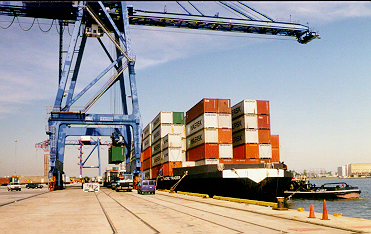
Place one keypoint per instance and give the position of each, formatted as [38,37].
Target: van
[146,186]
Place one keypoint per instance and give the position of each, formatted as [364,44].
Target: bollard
[280,204]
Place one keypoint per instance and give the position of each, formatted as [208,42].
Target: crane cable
[19,23]
[42,29]
[9,24]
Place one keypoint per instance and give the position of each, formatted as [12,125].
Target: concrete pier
[74,211]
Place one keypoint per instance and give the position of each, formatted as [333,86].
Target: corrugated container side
[246,121]
[225,135]
[155,171]
[264,136]
[275,141]
[263,107]
[146,143]
[203,152]
[147,174]
[157,147]
[246,151]
[206,135]
[264,122]
[164,117]
[147,153]
[265,151]
[178,117]
[206,162]
[147,131]
[224,120]
[245,136]
[168,168]
[225,151]
[165,129]
[172,140]
[206,120]
[206,105]
[179,128]
[147,164]
[275,155]
[173,155]
[156,159]
[244,107]
[224,106]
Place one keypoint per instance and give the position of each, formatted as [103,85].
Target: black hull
[211,182]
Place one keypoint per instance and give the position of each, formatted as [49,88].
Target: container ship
[216,149]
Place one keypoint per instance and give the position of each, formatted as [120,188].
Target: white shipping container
[265,151]
[207,161]
[224,121]
[245,136]
[188,163]
[244,107]
[156,159]
[156,147]
[173,155]
[246,121]
[164,117]
[206,135]
[225,151]
[147,131]
[146,143]
[165,129]
[206,120]
[173,140]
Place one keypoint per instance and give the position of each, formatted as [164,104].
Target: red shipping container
[167,168]
[275,155]
[275,141]
[203,151]
[246,151]
[206,105]
[264,136]
[224,106]
[147,153]
[264,122]
[225,135]
[146,164]
[156,171]
[262,107]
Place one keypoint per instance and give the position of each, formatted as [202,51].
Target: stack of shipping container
[209,131]
[212,132]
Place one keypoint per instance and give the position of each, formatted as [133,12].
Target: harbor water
[357,208]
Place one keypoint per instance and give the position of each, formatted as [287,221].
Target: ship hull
[238,181]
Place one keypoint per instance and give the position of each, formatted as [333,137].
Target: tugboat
[304,189]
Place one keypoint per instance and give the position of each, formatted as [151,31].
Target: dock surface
[74,211]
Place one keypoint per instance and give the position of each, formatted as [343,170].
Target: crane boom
[68,11]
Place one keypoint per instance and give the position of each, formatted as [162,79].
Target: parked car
[14,186]
[34,185]
[146,186]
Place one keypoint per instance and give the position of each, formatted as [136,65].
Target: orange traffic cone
[324,214]
[311,212]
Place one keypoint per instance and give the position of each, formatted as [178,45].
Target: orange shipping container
[246,151]
[275,141]
[225,135]
[264,136]
[146,164]
[275,155]
[147,153]
[203,152]
[206,105]
[224,106]
[167,168]
[264,122]
[262,107]
[155,171]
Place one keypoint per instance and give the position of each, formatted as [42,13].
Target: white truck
[14,186]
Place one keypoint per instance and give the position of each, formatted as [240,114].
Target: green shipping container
[116,154]
[178,117]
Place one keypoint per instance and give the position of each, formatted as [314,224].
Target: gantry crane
[112,19]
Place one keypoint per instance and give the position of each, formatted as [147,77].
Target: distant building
[355,170]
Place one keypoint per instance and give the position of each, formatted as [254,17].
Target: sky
[318,92]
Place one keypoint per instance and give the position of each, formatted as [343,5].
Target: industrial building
[355,170]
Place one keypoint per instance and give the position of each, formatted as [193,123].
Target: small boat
[303,189]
